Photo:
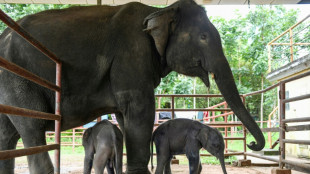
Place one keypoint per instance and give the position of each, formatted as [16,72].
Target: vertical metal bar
[244,142]
[172,107]
[269,58]
[282,125]
[99,2]
[244,133]
[262,104]
[73,139]
[57,123]
[269,133]
[291,45]
[158,107]
[226,134]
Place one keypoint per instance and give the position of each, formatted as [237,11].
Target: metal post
[73,139]
[262,104]
[244,142]
[244,133]
[226,134]
[282,125]
[291,45]
[57,123]
[172,107]
[269,57]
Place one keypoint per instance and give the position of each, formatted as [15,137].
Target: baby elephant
[185,136]
[105,142]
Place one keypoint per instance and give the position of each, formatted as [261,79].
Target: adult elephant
[113,58]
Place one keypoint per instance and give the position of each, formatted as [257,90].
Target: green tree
[17,11]
[244,41]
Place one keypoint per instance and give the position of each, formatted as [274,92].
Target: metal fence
[229,124]
[8,154]
[292,44]
[283,128]
[57,88]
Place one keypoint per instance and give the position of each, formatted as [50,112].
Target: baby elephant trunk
[221,158]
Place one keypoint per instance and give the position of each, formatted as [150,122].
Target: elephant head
[188,43]
[212,140]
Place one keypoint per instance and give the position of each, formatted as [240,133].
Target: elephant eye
[203,37]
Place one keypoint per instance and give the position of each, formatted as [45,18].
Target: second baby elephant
[185,136]
[105,142]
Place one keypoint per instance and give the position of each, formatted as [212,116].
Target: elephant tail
[152,139]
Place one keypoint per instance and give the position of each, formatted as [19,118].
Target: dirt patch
[73,164]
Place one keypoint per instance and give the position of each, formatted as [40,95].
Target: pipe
[58,122]
[27,74]
[19,30]
[9,154]
[27,113]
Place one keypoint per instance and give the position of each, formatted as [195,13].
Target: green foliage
[244,41]
[17,11]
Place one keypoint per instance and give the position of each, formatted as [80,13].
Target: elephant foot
[138,171]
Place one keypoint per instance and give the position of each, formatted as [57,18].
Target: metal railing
[8,154]
[292,44]
[283,127]
[225,124]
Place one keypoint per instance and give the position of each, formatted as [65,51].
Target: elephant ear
[202,136]
[86,136]
[158,25]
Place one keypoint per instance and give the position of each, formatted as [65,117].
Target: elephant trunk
[221,158]
[226,84]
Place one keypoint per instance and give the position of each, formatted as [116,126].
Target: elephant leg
[110,167]
[8,140]
[118,159]
[88,159]
[200,167]
[101,160]
[168,166]
[194,163]
[31,130]
[138,110]
[163,160]
[41,162]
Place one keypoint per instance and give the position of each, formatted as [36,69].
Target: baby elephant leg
[101,160]
[162,161]
[110,167]
[194,164]
[168,166]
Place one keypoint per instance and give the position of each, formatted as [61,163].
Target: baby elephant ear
[158,25]
[202,136]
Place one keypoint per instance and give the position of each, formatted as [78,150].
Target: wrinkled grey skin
[105,142]
[185,136]
[113,58]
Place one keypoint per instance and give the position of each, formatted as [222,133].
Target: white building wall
[296,110]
